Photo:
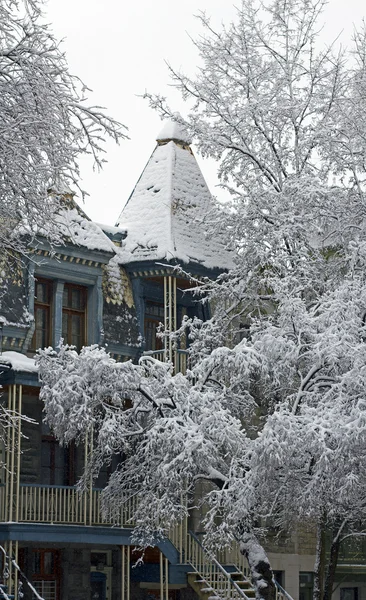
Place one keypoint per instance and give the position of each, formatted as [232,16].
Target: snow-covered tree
[272,413]
[45,124]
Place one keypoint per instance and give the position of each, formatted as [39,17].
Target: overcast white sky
[119,48]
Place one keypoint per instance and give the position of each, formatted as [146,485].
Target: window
[74,301]
[57,463]
[349,593]
[279,577]
[306,584]
[73,315]
[154,315]
[46,573]
[42,314]
[52,462]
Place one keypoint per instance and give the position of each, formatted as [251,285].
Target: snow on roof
[84,232]
[61,188]
[18,362]
[174,131]
[166,215]
[111,229]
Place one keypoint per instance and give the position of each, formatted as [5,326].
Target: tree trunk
[332,565]
[319,560]
[260,567]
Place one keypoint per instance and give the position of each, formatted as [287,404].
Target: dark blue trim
[10,377]
[81,252]
[73,534]
[70,272]
[77,534]
[13,331]
[195,269]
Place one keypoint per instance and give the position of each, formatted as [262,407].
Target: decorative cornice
[68,258]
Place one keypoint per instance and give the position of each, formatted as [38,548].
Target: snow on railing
[212,574]
[10,562]
[229,556]
[180,358]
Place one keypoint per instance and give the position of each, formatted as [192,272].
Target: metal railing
[212,575]
[180,359]
[216,577]
[281,594]
[66,504]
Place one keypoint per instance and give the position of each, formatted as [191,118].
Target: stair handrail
[4,594]
[220,567]
[17,567]
[282,591]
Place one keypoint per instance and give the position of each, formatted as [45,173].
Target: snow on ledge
[18,362]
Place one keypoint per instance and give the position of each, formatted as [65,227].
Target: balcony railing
[180,358]
[65,504]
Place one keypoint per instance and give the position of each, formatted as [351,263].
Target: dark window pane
[73,316]
[49,563]
[155,309]
[53,468]
[42,315]
[41,293]
[77,299]
[65,323]
[41,318]
[152,341]
[46,478]
[349,593]
[46,454]
[36,562]
[76,321]
[39,340]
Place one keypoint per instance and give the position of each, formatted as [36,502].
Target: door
[98,586]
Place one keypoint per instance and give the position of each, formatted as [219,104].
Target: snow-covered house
[110,286]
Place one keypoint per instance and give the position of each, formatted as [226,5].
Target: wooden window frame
[74,311]
[42,576]
[48,307]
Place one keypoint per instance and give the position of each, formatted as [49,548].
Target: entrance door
[98,586]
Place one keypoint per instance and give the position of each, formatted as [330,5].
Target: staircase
[212,581]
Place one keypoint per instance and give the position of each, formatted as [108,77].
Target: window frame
[69,311]
[42,576]
[151,324]
[48,307]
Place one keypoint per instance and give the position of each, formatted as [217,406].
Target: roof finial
[174,130]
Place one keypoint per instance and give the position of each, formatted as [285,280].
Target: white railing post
[170,316]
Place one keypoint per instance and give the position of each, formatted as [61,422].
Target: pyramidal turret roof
[167,214]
